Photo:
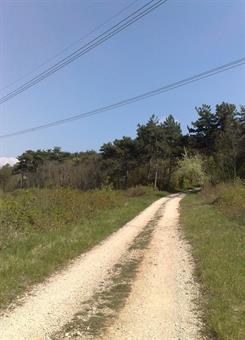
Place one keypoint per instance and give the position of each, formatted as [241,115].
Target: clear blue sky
[178,40]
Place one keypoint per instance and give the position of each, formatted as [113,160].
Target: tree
[241,156]
[5,176]
[203,131]
[172,146]
[27,164]
[149,146]
[159,146]
[118,159]
[149,159]
[228,138]
[218,136]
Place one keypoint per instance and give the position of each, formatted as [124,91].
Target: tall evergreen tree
[203,131]
[172,145]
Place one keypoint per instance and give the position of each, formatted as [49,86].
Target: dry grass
[41,230]
[213,223]
[229,198]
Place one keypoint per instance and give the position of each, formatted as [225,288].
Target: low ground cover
[41,230]
[213,221]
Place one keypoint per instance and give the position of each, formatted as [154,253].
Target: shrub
[45,209]
[228,197]
[190,172]
[40,230]
[140,190]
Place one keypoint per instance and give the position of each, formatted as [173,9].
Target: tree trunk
[155,181]
[234,170]
[149,171]
[126,179]
[156,175]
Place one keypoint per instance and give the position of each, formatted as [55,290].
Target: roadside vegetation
[214,224]
[55,204]
[160,155]
[41,229]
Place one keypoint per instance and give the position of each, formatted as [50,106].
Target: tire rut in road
[162,303]
[98,313]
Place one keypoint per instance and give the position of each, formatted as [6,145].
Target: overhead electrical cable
[70,45]
[131,100]
[109,33]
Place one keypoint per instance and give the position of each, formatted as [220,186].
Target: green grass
[217,237]
[73,222]
[229,198]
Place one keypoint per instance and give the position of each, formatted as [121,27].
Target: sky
[179,39]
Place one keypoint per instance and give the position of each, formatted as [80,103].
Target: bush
[140,190]
[40,230]
[190,172]
[228,197]
[46,209]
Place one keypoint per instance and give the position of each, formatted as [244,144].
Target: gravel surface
[161,304]
[52,304]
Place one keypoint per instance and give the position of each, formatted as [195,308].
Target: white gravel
[52,304]
[161,306]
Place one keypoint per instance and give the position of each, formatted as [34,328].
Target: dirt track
[160,305]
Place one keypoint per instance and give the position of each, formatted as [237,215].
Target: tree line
[160,155]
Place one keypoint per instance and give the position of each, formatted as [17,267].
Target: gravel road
[160,305]
[52,304]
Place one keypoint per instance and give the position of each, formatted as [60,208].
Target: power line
[109,33]
[70,45]
[86,48]
[131,100]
